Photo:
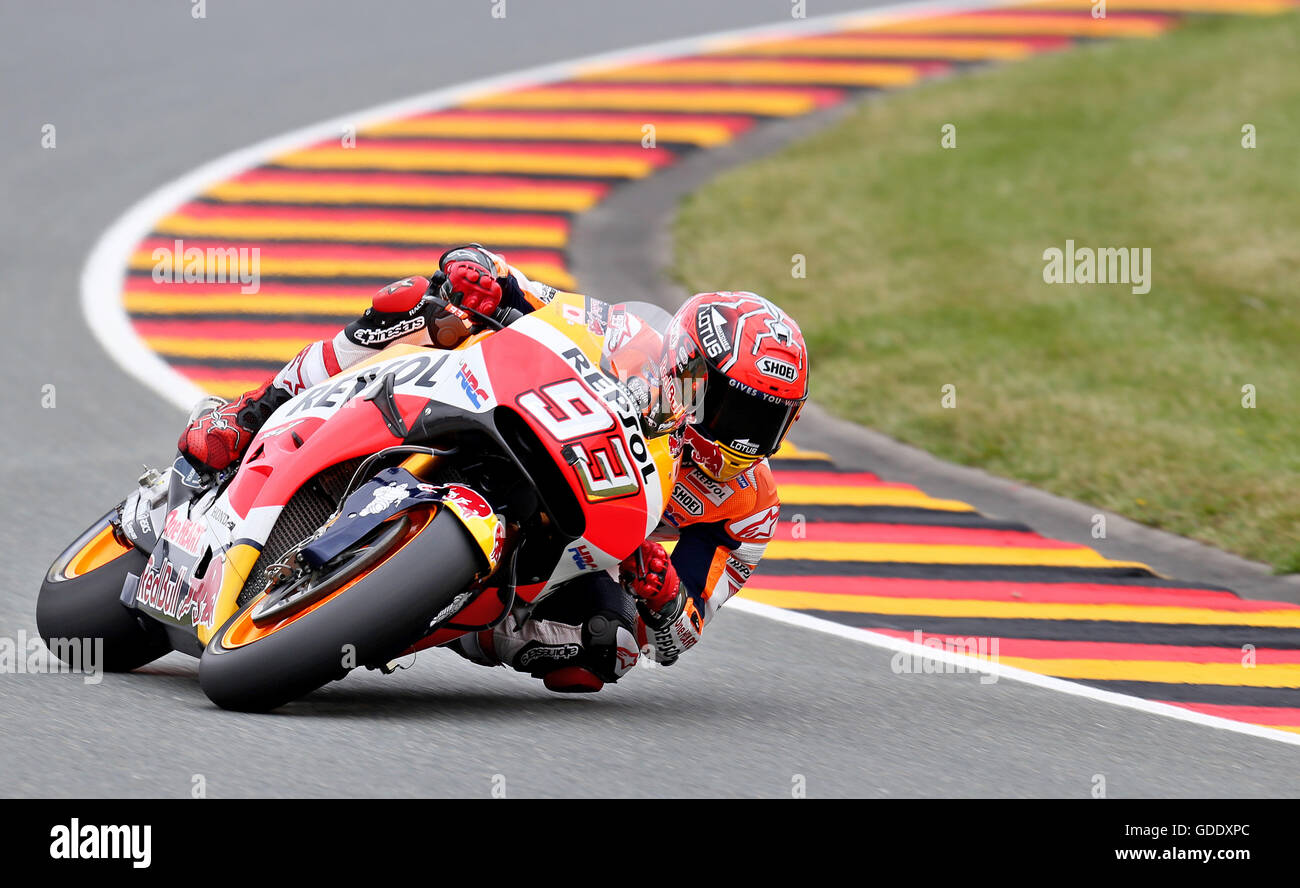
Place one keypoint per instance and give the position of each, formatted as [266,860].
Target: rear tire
[380,616]
[90,606]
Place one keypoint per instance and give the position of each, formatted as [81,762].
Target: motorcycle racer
[724,506]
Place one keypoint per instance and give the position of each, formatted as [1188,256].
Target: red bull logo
[472,505]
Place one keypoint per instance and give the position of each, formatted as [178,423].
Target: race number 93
[571,413]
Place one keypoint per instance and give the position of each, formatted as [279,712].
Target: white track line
[105,270]
[975,664]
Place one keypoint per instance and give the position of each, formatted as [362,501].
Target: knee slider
[610,645]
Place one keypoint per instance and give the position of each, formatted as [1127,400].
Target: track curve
[740,719]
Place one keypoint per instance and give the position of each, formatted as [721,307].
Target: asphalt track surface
[141,93]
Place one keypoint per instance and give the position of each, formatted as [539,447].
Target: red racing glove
[475,286]
[650,576]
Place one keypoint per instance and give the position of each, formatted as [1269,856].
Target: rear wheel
[81,599]
[365,608]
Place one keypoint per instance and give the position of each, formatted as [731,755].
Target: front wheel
[260,660]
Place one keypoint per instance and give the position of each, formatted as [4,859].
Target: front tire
[252,669]
[81,599]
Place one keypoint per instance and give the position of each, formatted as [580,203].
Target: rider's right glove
[217,439]
[649,575]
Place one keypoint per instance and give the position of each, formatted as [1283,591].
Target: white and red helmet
[757,367]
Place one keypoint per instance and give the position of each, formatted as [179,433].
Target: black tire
[90,606]
[380,616]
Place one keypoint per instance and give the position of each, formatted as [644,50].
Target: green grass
[924,268]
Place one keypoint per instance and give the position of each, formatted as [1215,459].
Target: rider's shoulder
[760,479]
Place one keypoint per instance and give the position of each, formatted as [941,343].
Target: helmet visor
[744,419]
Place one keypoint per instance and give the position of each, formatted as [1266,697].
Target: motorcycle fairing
[423,391]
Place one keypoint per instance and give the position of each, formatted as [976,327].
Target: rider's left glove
[650,576]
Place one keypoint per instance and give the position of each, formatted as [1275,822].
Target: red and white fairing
[545,367]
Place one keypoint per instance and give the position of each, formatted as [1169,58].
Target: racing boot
[219,438]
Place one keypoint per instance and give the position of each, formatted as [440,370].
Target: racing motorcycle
[415,497]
